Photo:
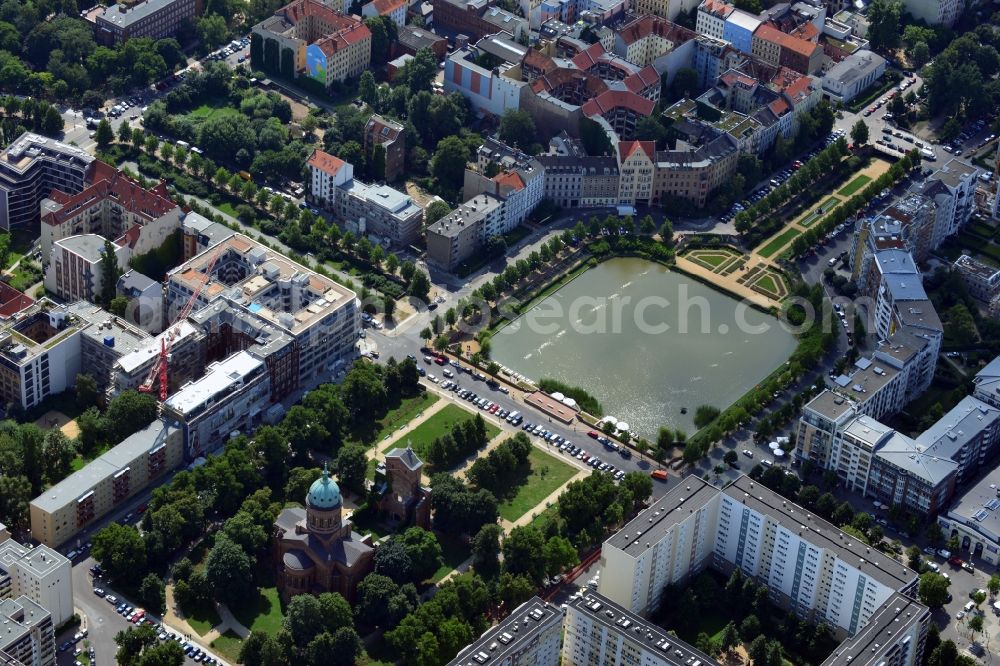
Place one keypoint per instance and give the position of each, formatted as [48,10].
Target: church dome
[324,492]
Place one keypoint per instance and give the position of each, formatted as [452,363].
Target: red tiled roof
[12,301]
[731,78]
[589,57]
[642,79]
[808,32]
[382,131]
[128,193]
[538,60]
[613,99]
[509,179]
[797,89]
[717,8]
[325,162]
[354,34]
[771,34]
[654,25]
[627,148]
[297,10]
[385,7]
[778,107]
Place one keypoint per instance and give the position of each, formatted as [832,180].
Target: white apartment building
[231,397]
[27,634]
[852,76]
[284,297]
[662,546]
[953,189]
[935,12]
[712,15]
[529,636]
[327,173]
[809,565]
[30,168]
[39,573]
[599,631]
[853,449]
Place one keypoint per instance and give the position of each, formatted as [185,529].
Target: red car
[593,434]
[440,360]
[955,561]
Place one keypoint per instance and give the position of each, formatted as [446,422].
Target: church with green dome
[316,548]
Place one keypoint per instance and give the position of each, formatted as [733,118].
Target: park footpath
[506,431]
[730,282]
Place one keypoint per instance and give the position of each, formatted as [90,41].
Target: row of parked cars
[231,48]
[569,448]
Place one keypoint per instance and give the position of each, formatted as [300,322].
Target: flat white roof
[220,377]
[129,362]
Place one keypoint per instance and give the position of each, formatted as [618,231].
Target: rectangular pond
[647,342]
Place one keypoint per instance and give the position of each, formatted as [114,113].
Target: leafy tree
[424,551]
[132,642]
[685,83]
[859,133]
[59,453]
[229,570]
[517,128]
[383,31]
[104,134]
[560,555]
[351,467]
[15,494]
[486,550]
[649,128]
[884,21]
[120,550]
[152,593]
[933,590]
[913,559]
[420,285]
[86,390]
[994,585]
[303,618]
[515,590]
[393,560]
[595,140]
[212,31]
[920,54]
[524,552]
[110,272]
[448,163]
[262,649]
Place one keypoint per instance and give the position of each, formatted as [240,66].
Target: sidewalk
[375,451]
[728,282]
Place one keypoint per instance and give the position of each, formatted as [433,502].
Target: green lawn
[205,111]
[455,552]
[202,618]
[228,645]
[394,419]
[767,284]
[262,613]
[860,181]
[778,242]
[544,518]
[227,208]
[544,475]
[826,206]
[437,425]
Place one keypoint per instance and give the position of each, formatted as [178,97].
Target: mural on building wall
[316,63]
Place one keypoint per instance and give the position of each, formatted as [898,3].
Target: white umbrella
[622,426]
[778,453]
[558,396]
[774,445]
[609,419]
[996,604]
[569,402]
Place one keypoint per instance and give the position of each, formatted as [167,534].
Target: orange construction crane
[159,369]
